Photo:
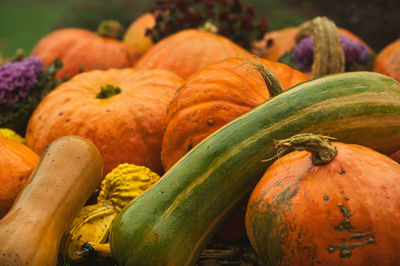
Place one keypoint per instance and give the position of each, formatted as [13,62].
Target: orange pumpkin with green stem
[122,111]
[82,50]
[341,206]
[17,162]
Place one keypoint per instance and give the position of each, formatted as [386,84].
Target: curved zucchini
[172,222]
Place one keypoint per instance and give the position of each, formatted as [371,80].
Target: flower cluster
[303,52]
[231,19]
[17,79]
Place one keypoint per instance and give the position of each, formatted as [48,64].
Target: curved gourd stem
[322,151]
[95,250]
[110,29]
[328,51]
[271,81]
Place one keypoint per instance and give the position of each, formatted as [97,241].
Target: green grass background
[24,22]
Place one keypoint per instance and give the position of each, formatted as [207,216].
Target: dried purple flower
[17,79]
[303,52]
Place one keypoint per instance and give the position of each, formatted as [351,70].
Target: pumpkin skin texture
[276,43]
[195,195]
[343,213]
[136,36]
[83,50]
[213,97]
[189,51]
[17,162]
[126,128]
[388,60]
[68,172]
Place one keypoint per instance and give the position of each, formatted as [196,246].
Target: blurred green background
[24,22]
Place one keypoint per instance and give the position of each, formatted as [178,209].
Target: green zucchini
[173,221]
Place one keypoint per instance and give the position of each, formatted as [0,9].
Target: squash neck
[322,151]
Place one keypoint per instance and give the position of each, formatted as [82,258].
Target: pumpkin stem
[110,29]
[95,250]
[271,81]
[322,151]
[108,91]
[328,51]
[209,27]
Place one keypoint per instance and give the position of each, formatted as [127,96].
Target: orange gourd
[17,162]
[341,206]
[189,51]
[122,111]
[136,36]
[68,172]
[388,60]
[82,50]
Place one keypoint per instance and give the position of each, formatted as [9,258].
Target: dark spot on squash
[210,120]
[326,197]
[67,120]
[21,179]
[269,43]
[218,105]
[345,225]
[190,146]
[344,210]
[60,113]
[342,172]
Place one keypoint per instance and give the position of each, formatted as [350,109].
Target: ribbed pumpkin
[189,51]
[326,209]
[388,60]
[136,36]
[276,43]
[82,50]
[215,96]
[122,111]
[16,164]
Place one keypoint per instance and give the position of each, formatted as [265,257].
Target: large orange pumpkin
[215,96]
[388,60]
[189,51]
[17,162]
[344,210]
[122,111]
[276,43]
[82,50]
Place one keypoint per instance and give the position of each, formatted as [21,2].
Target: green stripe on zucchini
[173,221]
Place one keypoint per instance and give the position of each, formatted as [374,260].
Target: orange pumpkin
[388,60]
[342,210]
[136,36]
[189,51]
[276,43]
[82,50]
[17,162]
[215,96]
[122,111]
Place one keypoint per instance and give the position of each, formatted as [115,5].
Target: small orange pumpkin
[388,60]
[82,50]
[341,206]
[189,51]
[17,162]
[122,111]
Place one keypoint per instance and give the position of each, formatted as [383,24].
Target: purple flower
[303,52]
[18,78]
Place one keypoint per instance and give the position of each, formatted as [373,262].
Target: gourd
[122,111]
[189,51]
[339,206]
[72,45]
[16,165]
[68,172]
[171,223]
[136,35]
